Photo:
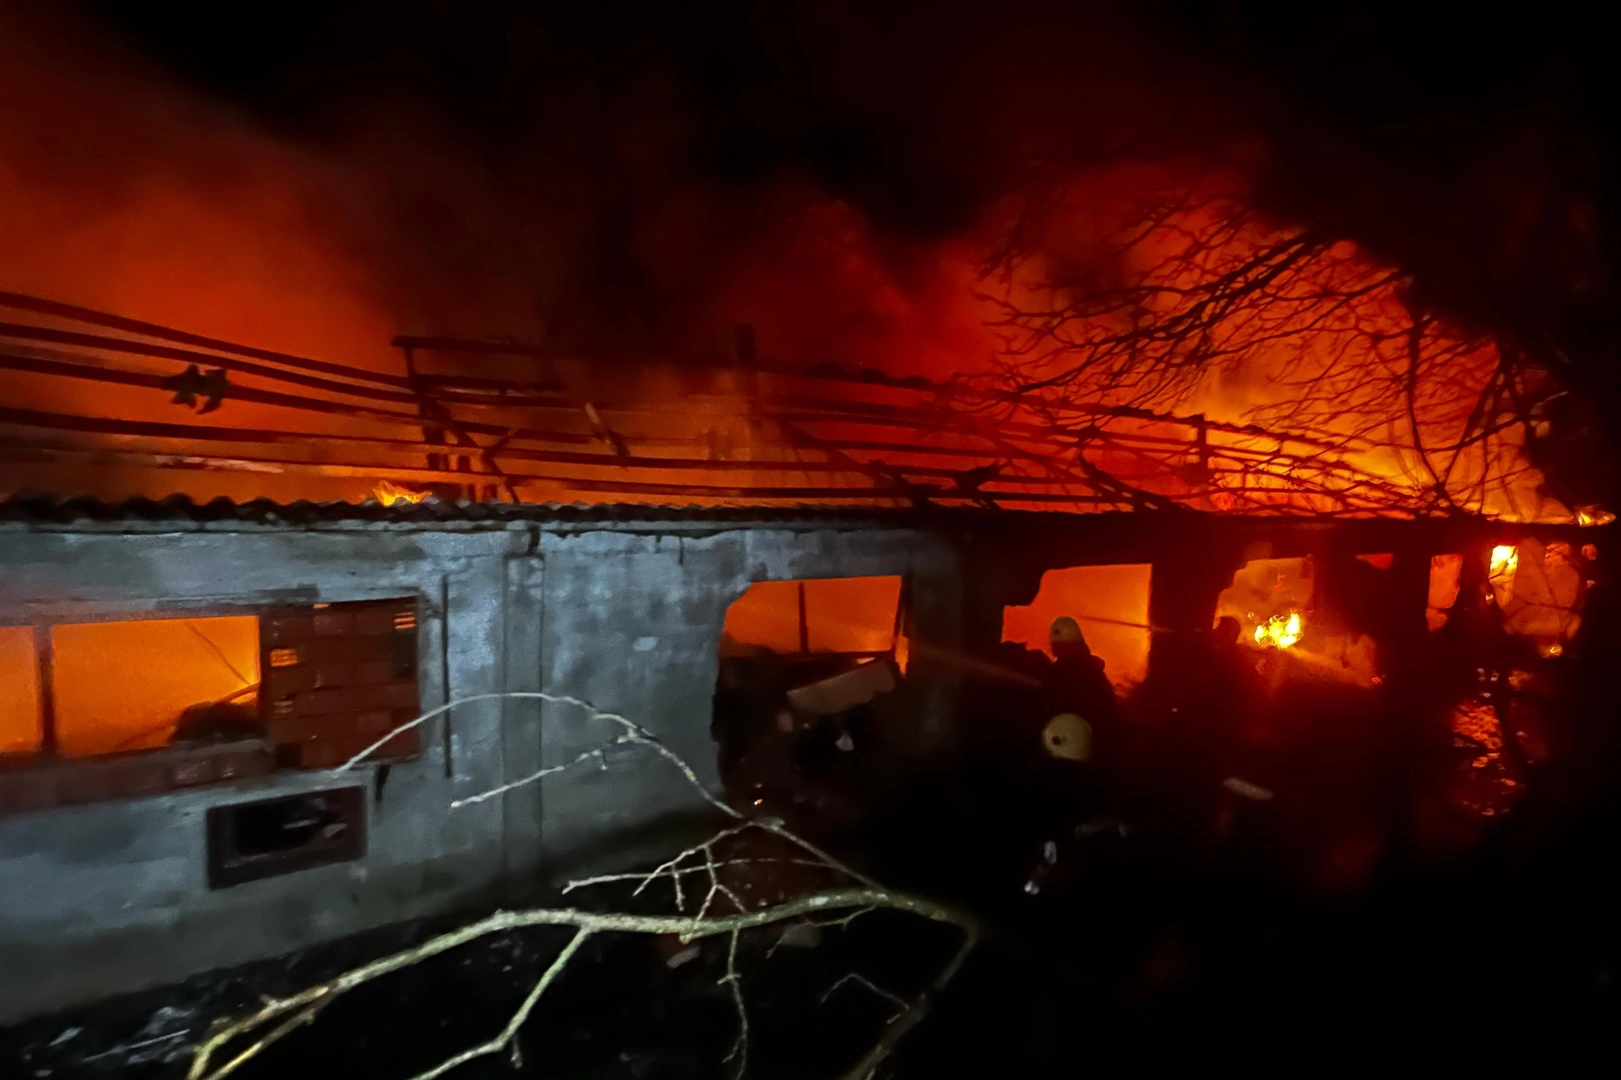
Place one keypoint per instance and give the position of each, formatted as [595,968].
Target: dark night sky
[1476,149]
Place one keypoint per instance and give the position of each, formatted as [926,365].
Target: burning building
[206,757]
[313,695]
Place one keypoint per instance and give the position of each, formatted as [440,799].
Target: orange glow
[389,493]
[119,193]
[841,615]
[1109,602]
[1485,786]
[19,691]
[123,685]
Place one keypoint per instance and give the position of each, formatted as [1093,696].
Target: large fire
[1152,340]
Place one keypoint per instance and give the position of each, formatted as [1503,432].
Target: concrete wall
[633,624]
[101,900]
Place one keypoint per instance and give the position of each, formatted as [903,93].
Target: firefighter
[1239,728]
[1076,682]
[1068,791]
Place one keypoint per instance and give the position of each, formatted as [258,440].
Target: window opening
[1109,602]
[21,725]
[1539,591]
[91,711]
[820,616]
[810,683]
[1446,581]
[136,685]
[1271,599]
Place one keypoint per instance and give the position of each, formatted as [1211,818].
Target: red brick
[371,672]
[342,650]
[376,722]
[402,695]
[280,682]
[334,621]
[338,726]
[321,702]
[339,699]
[287,630]
[330,753]
[335,675]
[377,621]
[324,755]
[312,728]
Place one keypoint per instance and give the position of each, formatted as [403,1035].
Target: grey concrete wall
[632,623]
[101,900]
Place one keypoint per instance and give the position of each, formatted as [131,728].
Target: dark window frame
[322,828]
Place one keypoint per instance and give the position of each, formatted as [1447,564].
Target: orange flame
[1505,564]
[1280,631]
[389,494]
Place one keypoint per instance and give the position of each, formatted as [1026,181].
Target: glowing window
[1109,602]
[1266,596]
[1446,578]
[1539,591]
[21,728]
[822,615]
[121,686]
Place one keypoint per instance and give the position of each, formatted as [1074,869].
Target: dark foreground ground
[1502,959]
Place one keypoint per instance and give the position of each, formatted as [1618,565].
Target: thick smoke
[605,181]
[615,180]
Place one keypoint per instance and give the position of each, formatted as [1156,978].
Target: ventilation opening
[1109,602]
[254,840]
[119,686]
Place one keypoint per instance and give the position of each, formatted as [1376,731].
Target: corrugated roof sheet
[52,510]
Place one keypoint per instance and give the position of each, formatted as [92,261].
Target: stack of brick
[338,677]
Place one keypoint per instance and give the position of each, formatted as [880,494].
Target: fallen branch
[277,1018]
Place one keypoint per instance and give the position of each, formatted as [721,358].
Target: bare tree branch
[721,912]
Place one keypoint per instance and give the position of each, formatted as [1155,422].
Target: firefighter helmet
[1067,736]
